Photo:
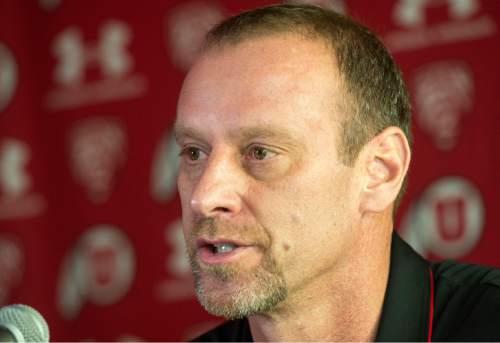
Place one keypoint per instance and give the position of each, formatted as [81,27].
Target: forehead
[269,80]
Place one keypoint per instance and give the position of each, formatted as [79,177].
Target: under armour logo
[14,179]
[412,12]
[109,53]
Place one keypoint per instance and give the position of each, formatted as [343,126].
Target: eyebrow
[184,131]
[243,134]
[265,131]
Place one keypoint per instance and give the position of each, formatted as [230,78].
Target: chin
[235,299]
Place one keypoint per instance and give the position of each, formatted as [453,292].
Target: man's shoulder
[466,274]
[231,331]
[467,302]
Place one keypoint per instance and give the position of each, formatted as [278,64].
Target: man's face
[268,207]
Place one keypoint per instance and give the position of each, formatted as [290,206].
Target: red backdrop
[89,213]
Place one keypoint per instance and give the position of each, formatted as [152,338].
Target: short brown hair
[377,94]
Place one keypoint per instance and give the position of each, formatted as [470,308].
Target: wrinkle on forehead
[276,59]
[286,137]
[261,77]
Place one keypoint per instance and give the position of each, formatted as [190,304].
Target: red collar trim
[431,305]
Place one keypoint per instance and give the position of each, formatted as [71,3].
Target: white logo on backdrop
[100,269]
[179,283]
[444,92]
[49,5]
[97,149]
[335,5]
[16,198]
[109,55]
[14,178]
[465,22]
[165,168]
[447,220]
[8,76]
[122,337]
[186,27]
[11,266]
[412,12]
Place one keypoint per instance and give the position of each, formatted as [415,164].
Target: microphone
[22,323]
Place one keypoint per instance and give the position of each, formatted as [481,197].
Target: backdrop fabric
[90,230]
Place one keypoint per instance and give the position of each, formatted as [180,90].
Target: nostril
[215,201]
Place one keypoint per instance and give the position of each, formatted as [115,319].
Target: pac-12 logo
[97,149]
[444,93]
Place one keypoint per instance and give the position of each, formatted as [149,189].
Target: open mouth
[218,246]
[220,251]
[221,248]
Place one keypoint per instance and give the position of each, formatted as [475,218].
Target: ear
[386,159]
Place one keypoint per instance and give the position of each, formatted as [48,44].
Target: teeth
[223,248]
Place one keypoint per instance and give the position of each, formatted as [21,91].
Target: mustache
[219,228]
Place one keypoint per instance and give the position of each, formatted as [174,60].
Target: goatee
[233,291]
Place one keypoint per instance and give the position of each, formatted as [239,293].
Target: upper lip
[202,242]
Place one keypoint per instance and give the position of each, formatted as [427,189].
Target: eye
[193,154]
[260,153]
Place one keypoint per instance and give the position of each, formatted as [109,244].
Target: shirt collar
[406,309]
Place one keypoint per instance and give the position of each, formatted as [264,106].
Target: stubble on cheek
[220,273]
[235,290]
[209,227]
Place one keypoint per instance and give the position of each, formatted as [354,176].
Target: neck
[342,305]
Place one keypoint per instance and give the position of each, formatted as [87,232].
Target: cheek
[185,189]
[307,216]
[283,215]
[184,186]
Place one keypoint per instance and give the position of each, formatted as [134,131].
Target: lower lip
[207,256]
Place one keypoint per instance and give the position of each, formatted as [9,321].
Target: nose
[219,189]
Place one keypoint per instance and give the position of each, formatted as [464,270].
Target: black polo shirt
[424,301]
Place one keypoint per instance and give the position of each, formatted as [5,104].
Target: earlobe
[386,161]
